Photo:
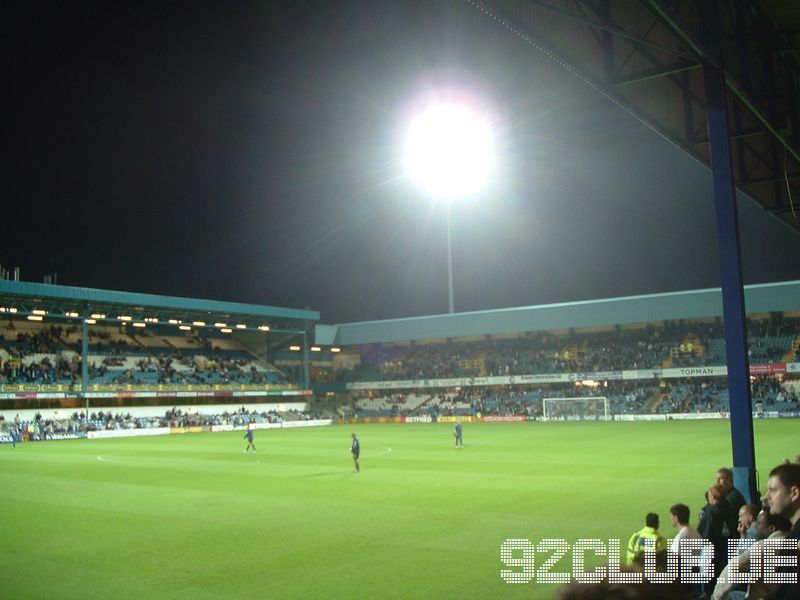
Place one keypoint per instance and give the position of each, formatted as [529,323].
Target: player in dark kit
[355,450]
[457,435]
[250,444]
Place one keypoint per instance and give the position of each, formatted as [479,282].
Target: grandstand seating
[35,353]
[678,396]
[671,345]
[773,339]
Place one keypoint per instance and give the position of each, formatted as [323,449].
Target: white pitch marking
[387,451]
[104,458]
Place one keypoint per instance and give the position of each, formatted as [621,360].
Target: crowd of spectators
[53,364]
[51,355]
[49,370]
[734,535]
[673,345]
[40,428]
[685,395]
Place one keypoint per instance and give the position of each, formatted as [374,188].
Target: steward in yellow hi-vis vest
[647,538]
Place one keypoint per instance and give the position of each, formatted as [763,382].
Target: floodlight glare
[449,150]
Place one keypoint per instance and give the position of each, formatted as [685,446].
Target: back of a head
[715,493]
[651,520]
[619,591]
[681,512]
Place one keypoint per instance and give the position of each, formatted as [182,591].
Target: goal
[594,408]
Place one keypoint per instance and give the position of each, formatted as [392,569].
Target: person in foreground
[768,526]
[783,498]
[647,538]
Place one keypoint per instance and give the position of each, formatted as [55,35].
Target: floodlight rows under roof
[139,321]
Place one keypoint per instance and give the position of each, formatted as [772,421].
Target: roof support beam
[618,31]
[656,72]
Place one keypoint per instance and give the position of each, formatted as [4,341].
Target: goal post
[592,407]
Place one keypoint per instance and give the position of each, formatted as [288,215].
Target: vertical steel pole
[730,258]
[306,379]
[85,363]
[450,303]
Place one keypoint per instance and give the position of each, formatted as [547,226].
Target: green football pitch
[192,516]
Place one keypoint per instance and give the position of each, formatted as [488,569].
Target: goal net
[594,408]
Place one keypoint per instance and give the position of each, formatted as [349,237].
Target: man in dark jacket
[783,498]
[732,499]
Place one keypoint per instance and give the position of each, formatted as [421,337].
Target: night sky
[250,151]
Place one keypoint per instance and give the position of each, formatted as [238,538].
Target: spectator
[646,539]
[747,522]
[712,527]
[680,520]
[783,498]
[767,526]
[732,499]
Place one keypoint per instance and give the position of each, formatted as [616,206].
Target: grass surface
[191,516]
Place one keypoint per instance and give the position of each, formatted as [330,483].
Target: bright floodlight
[449,151]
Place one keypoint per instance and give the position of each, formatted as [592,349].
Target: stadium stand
[693,348]
[667,346]
[40,428]
[33,353]
[694,395]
